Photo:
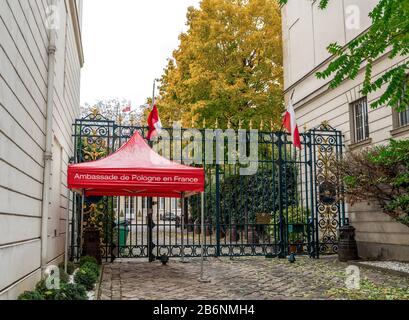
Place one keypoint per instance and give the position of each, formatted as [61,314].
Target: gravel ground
[391,265]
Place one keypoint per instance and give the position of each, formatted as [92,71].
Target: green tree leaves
[389,31]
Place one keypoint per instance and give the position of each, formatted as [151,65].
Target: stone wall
[378,235]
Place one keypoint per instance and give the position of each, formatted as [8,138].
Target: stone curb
[98,285]
[377,268]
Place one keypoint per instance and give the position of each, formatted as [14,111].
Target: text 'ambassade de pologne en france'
[133,177]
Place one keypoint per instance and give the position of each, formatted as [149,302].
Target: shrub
[379,175]
[292,215]
[64,277]
[252,194]
[67,291]
[41,287]
[31,295]
[86,277]
[74,291]
[48,294]
[296,219]
[93,267]
[88,259]
[70,267]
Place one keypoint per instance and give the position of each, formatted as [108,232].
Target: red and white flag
[127,109]
[290,123]
[154,123]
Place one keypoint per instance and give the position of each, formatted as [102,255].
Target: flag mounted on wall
[154,123]
[290,123]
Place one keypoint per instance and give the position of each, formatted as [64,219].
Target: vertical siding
[23,93]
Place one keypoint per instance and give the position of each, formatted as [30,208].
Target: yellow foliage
[228,66]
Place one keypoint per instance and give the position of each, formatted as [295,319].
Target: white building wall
[24,40]
[307,31]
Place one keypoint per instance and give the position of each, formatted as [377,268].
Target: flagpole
[292,95]
[154,91]
[153,94]
[291,98]
[149,217]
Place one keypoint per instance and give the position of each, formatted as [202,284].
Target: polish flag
[127,109]
[290,123]
[154,123]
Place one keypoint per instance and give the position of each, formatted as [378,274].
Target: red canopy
[136,170]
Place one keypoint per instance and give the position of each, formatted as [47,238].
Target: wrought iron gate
[289,205]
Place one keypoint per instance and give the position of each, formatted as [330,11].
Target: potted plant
[296,219]
[296,241]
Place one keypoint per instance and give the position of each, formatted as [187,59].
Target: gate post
[218,253]
[315,192]
[282,223]
[328,211]
[313,219]
[342,218]
[150,225]
[74,212]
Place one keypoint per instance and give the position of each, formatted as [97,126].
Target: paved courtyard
[245,278]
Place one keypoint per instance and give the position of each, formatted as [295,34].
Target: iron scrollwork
[328,205]
[303,210]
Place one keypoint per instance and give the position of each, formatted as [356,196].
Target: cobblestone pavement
[242,278]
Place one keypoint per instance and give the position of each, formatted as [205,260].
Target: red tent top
[136,170]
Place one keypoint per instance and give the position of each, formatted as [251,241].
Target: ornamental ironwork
[290,205]
[330,210]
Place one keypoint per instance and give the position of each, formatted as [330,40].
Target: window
[404,118]
[404,115]
[176,204]
[162,204]
[360,122]
[401,119]
[132,205]
[126,205]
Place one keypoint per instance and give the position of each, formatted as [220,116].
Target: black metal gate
[288,205]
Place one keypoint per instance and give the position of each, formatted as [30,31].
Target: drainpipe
[48,146]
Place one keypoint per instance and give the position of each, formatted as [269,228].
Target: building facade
[40,61]
[134,208]
[307,31]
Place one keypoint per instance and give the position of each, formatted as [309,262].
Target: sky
[126,46]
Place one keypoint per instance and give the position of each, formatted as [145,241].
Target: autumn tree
[228,67]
